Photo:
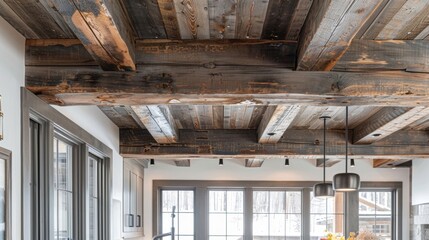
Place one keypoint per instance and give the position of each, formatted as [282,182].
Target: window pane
[277,202]
[375,212]
[217,201]
[2,199]
[235,224]
[260,201]
[260,225]
[293,225]
[326,215]
[293,202]
[183,200]
[234,201]
[217,224]
[93,222]
[277,225]
[226,214]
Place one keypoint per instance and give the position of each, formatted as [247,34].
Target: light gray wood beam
[329,162]
[275,122]
[158,121]
[254,163]
[183,163]
[386,122]
[329,29]
[104,30]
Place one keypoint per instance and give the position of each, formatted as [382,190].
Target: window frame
[351,204]
[7,156]
[51,122]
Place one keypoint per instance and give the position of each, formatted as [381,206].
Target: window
[326,215]
[63,190]
[276,215]
[5,157]
[226,219]
[183,200]
[94,164]
[376,212]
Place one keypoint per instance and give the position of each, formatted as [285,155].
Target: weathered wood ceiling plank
[298,19]
[193,18]
[103,29]
[408,22]
[329,162]
[237,116]
[329,30]
[120,116]
[40,18]
[183,163]
[226,85]
[388,163]
[386,122]
[14,20]
[222,15]
[169,17]
[294,143]
[366,55]
[275,122]
[159,122]
[146,18]
[254,163]
[207,53]
[383,18]
[250,17]
[182,116]
[278,19]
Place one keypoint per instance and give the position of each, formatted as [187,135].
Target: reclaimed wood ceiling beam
[226,85]
[329,161]
[253,163]
[330,27]
[138,143]
[158,121]
[386,122]
[183,163]
[390,163]
[275,122]
[103,28]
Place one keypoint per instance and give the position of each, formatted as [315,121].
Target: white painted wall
[93,120]
[12,70]
[420,188]
[271,170]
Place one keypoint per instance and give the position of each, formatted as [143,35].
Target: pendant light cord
[347,138]
[324,150]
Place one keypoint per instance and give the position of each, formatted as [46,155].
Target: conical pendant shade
[324,189]
[347,182]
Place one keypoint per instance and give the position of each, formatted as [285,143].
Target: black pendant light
[347,182]
[221,162]
[287,164]
[152,162]
[324,189]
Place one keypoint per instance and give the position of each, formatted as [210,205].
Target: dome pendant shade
[323,190]
[346,182]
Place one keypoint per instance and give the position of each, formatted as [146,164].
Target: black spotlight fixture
[324,189]
[287,164]
[152,162]
[221,162]
[347,182]
[352,163]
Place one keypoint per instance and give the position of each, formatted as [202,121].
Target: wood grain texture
[209,54]
[146,18]
[103,29]
[250,18]
[159,122]
[279,19]
[412,55]
[298,19]
[226,85]
[254,163]
[169,17]
[390,9]
[294,144]
[329,162]
[37,16]
[193,18]
[14,20]
[389,163]
[275,122]
[120,116]
[222,16]
[409,20]
[386,122]
[183,163]
[237,116]
[330,28]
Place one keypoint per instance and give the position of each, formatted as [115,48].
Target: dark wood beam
[386,122]
[275,122]
[225,85]
[183,163]
[329,162]
[364,55]
[103,28]
[390,163]
[158,121]
[329,29]
[254,163]
[138,143]
[208,53]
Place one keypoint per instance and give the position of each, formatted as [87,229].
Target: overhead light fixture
[347,182]
[1,121]
[152,161]
[324,189]
[287,162]
[220,162]
[352,163]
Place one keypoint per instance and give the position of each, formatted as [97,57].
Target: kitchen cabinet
[133,200]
